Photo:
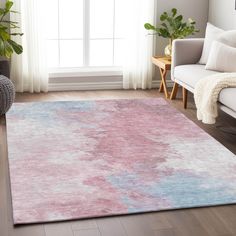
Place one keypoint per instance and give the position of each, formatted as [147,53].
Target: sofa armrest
[186,51]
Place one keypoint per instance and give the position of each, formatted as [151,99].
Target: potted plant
[7,45]
[173,27]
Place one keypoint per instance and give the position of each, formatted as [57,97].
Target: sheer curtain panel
[29,70]
[137,69]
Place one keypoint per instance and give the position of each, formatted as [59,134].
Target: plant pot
[168,49]
[5,68]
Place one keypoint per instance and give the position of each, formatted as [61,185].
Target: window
[85,33]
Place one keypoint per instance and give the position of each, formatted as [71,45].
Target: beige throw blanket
[206,94]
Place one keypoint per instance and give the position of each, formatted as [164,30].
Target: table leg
[174,91]
[185,97]
[161,87]
[163,82]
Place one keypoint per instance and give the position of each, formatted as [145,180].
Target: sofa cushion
[228,97]
[190,74]
[221,58]
[212,32]
[228,38]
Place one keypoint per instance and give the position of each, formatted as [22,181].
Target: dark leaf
[18,49]
[2,27]
[15,34]
[8,21]
[164,16]
[164,33]
[2,48]
[174,12]
[179,18]
[164,25]
[148,26]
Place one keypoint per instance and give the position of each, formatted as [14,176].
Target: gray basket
[7,94]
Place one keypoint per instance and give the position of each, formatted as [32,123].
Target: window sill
[85,72]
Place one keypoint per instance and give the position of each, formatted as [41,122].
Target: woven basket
[7,94]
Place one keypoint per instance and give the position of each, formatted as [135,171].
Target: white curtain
[29,70]
[137,70]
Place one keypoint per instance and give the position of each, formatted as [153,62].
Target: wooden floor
[212,221]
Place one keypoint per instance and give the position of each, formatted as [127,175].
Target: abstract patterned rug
[73,160]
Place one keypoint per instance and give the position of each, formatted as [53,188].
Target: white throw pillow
[228,38]
[221,58]
[212,33]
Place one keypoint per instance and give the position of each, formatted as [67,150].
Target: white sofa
[186,72]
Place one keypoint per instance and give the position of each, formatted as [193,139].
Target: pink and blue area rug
[74,160]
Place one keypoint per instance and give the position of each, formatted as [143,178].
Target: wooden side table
[164,64]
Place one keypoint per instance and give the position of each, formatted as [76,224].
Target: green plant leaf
[4,34]
[179,18]
[148,26]
[7,45]
[164,16]
[174,12]
[7,50]
[4,28]
[173,26]
[2,48]
[17,12]
[164,25]
[18,49]
[2,11]
[15,34]
[10,22]
[8,5]
[164,33]
[14,26]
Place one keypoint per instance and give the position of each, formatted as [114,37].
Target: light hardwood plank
[110,226]
[165,232]
[210,222]
[84,224]
[3,183]
[137,225]
[159,221]
[227,214]
[185,223]
[58,229]
[34,230]
[87,232]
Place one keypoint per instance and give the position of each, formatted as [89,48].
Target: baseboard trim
[84,86]
[96,85]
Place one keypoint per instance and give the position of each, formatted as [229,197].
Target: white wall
[2,2]
[222,13]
